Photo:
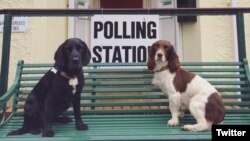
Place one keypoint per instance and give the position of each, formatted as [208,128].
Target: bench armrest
[6,96]
[247,69]
[3,102]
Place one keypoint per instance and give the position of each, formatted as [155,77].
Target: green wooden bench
[120,103]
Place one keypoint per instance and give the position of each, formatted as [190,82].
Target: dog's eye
[165,47]
[79,48]
[69,49]
[156,46]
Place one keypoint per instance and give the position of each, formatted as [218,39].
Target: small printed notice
[19,24]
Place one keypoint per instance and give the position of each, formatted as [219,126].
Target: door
[121,3]
[169,28]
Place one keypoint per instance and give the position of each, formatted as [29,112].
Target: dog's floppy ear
[173,60]
[151,53]
[59,57]
[86,54]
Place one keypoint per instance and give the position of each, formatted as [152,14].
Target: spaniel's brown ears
[151,62]
[171,56]
[173,59]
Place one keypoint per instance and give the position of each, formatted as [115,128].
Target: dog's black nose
[75,58]
[159,55]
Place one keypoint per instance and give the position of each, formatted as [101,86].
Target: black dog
[56,90]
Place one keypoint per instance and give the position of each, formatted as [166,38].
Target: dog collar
[54,70]
[162,69]
[165,68]
[62,73]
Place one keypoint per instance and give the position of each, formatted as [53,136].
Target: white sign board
[19,24]
[123,38]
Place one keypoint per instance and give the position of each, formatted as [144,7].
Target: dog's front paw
[82,126]
[35,131]
[173,122]
[48,133]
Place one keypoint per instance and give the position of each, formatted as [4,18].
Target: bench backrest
[126,88]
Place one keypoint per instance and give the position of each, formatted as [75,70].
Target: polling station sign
[122,38]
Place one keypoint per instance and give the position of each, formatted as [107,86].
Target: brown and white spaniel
[184,89]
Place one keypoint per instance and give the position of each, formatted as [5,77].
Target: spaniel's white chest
[164,80]
[73,82]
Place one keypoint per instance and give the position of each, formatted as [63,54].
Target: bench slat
[145,96]
[131,70]
[121,104]
[145,76]
[145,89]
[134,82]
